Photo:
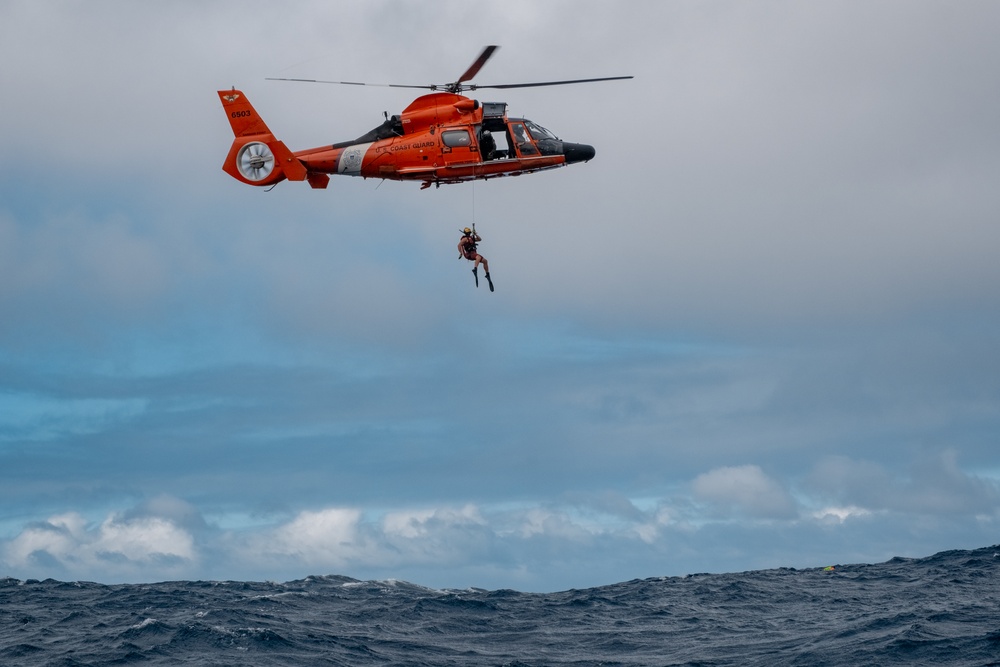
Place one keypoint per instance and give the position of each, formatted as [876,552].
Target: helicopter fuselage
[439,138]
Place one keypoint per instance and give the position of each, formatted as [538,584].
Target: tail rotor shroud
[255,161]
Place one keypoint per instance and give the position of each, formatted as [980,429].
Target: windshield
[539,132]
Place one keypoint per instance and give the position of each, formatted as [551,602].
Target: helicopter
[440,138]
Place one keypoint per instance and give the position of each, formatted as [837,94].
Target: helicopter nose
[578,152]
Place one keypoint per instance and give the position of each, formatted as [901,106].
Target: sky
[760,329]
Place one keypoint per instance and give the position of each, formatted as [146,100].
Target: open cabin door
[523,143]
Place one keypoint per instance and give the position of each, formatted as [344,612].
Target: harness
[469,246]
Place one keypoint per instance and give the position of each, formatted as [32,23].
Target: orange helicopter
[442,137]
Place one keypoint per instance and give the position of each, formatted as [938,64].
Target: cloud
[69,544]
[934,485]
[840,514]
[413,524]
[546,523]
[329,537]
[733,518]
[746,490]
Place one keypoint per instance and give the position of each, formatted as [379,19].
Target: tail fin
[256,157]
[242,116]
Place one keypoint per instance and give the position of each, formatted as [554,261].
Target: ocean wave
[935,610]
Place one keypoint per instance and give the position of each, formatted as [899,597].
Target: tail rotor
[255,161]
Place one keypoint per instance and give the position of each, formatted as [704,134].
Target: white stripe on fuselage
[352,158]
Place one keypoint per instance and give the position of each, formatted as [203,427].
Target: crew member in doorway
[467,249]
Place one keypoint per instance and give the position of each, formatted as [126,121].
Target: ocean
[939,610]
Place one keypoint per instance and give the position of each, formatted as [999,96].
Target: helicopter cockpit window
[539,132]
[456,138]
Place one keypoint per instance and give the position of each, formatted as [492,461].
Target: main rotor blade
[478,65]
[351,83]
[473,86]
[458,86]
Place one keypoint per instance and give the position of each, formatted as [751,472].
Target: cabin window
[456,138]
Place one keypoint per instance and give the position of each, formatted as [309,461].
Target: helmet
[466,231]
